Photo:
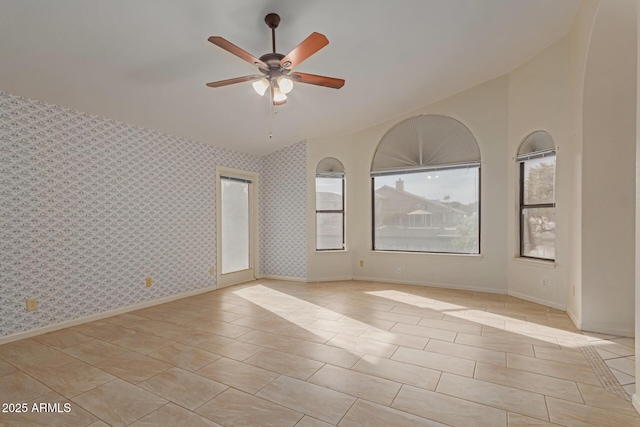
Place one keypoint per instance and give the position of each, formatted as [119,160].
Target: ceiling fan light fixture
[285,84]
[261,86]
[278,95]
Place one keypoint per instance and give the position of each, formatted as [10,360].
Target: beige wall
[538,100]
[608,171]
[483,109]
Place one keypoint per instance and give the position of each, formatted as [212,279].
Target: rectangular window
[427,211]
[537,208]
[329,213]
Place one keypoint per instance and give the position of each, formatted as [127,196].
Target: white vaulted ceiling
[146,62]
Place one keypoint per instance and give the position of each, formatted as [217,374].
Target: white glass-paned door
[236,227]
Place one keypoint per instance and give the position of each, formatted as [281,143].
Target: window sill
[331,251]
[535,262]
[474,257]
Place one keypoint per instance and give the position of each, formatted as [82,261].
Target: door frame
[252,273]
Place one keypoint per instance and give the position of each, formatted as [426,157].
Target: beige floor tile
[270,340]
[522,337]
[425,332]
[629,342]
[71,378]
[366,315]
[396,338]
[184,356]
[36,416]
[284,363]
[183,387]
[363,345]
[384,325]
[62,339]
[600,398]
[98,423]
[19,387]
[103,330]
[327,354]
[364,413]
[228,347]
[497,344]
[622,364]
[611,347]
[29,353]
[448,410]
[466,328]
[418,311]
[529,381]
[572,414]
[357,384]
[630,389]
[225,329]
[594,336]
[313,400]
[498,396]
[565,356]
[171,415]
[235,408]
[308,421]
[6,369]
[518,420]
[141,342]
[94,351]
[565,371]
[339,327]
[467,352]
[440,362]
[605,355]
[132,367]
[622,378]
[119,403]
[398,371]
[238,375]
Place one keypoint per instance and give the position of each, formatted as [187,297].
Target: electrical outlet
[399,270]
[544,282]
[361,263]
[32,304]
[148,282]
[212,270]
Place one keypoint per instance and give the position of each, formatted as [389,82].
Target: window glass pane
[539,233]
[539,178]
[428,211]
[235,226]
[329,231]
[328,194]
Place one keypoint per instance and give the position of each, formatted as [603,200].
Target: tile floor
[271,353]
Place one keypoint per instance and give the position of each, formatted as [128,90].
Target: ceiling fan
[276,68]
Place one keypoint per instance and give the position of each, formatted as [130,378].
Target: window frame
[478,166]
[329,211]
[523,206]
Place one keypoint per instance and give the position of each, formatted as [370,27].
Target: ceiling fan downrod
[272,20]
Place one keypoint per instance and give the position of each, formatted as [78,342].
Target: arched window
[425,180]
[329,205]
[537,158]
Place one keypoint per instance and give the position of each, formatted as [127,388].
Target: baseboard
[433,285]
[635,399]
[73,322]
[288,279]
[538,301]
[329,279]
[574,318]
[599,329]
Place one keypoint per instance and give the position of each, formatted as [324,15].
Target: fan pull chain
[271,119]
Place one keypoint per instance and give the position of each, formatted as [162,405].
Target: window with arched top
[425,179]
[537,159]
[329,205]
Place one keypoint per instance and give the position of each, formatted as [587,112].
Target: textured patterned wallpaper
[283,216]
[90,207]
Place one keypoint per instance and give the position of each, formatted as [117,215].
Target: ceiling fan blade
[232,48]
[312,79]
[235,80]
[308,47]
